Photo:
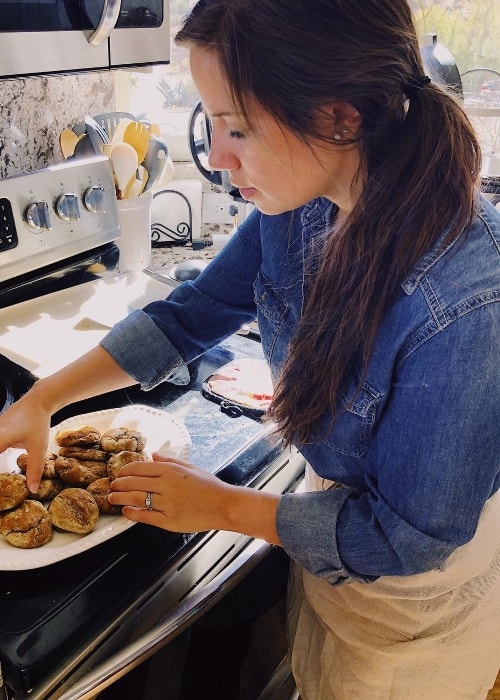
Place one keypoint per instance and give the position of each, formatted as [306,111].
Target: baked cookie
[27,526]
[100,489]
[76,472]
[120,459]
[93,453]
[48,489]
[120,439]
[13,490]
[49,471]
[81,436]
[74,510]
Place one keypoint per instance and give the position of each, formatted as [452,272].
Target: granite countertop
[163,258]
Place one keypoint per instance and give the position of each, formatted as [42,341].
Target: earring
[339,136]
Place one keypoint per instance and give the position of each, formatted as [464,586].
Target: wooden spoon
[137,135]
[124,161]
[68,140]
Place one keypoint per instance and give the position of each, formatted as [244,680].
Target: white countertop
[46,333]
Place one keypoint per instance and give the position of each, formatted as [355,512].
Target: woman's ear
[343,119]
[344,113]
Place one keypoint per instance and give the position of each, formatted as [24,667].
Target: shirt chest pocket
[272,314]
[353,429]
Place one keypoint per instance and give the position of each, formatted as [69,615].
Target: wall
[34,111]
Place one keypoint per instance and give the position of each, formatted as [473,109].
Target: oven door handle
[181,617]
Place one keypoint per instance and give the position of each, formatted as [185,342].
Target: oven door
[56,36]
[199,581]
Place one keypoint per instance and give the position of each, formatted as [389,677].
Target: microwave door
[142,36]
[38,53]
[51,36]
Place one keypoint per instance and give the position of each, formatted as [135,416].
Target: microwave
[39,37]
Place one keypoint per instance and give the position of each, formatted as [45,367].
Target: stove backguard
[56,213]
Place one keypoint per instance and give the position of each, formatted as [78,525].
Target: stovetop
[47,613]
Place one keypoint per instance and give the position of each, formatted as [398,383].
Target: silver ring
[149,501]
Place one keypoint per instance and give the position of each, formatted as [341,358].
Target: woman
[372,262]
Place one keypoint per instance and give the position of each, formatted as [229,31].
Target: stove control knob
[94,200]
[38,216]
[67,207]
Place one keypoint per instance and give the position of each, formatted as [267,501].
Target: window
[468,28]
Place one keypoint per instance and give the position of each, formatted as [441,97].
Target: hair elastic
[416,84]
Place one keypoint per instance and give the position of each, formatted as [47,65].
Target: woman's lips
[247,192]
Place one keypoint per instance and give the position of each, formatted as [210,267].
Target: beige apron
[431,636]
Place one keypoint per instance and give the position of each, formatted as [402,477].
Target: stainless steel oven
[75,627]
[56,36]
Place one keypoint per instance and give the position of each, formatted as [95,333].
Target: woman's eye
[236,134]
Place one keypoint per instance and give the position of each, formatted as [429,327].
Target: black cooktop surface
[47,613]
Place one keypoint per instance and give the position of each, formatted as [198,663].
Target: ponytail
[419,181]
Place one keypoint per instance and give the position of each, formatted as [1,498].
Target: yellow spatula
[137,135]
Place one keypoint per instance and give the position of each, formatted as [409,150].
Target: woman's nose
[221,156]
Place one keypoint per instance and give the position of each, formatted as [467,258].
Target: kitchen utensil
[96,133]
[120,130]
[137,135]
[110,121]
[136,185]
[84,147]
[155,160]
[68,140]
[124,161]
[79,128]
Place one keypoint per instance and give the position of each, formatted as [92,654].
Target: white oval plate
[165,434]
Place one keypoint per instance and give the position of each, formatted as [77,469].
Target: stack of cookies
[74,487]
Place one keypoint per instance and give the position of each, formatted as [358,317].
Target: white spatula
[124,161]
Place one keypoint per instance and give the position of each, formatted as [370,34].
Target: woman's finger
[157,457]
[133,483]
[146,469]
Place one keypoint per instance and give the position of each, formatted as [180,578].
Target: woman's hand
[26,425]
[186,498]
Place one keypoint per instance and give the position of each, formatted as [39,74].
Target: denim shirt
[415,452]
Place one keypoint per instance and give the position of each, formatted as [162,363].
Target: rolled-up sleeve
[307,527]
[144,352]
[157,343]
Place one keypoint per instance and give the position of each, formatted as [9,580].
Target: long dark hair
[419,164]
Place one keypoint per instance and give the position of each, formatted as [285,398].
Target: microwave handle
[109,18]
[171,626]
